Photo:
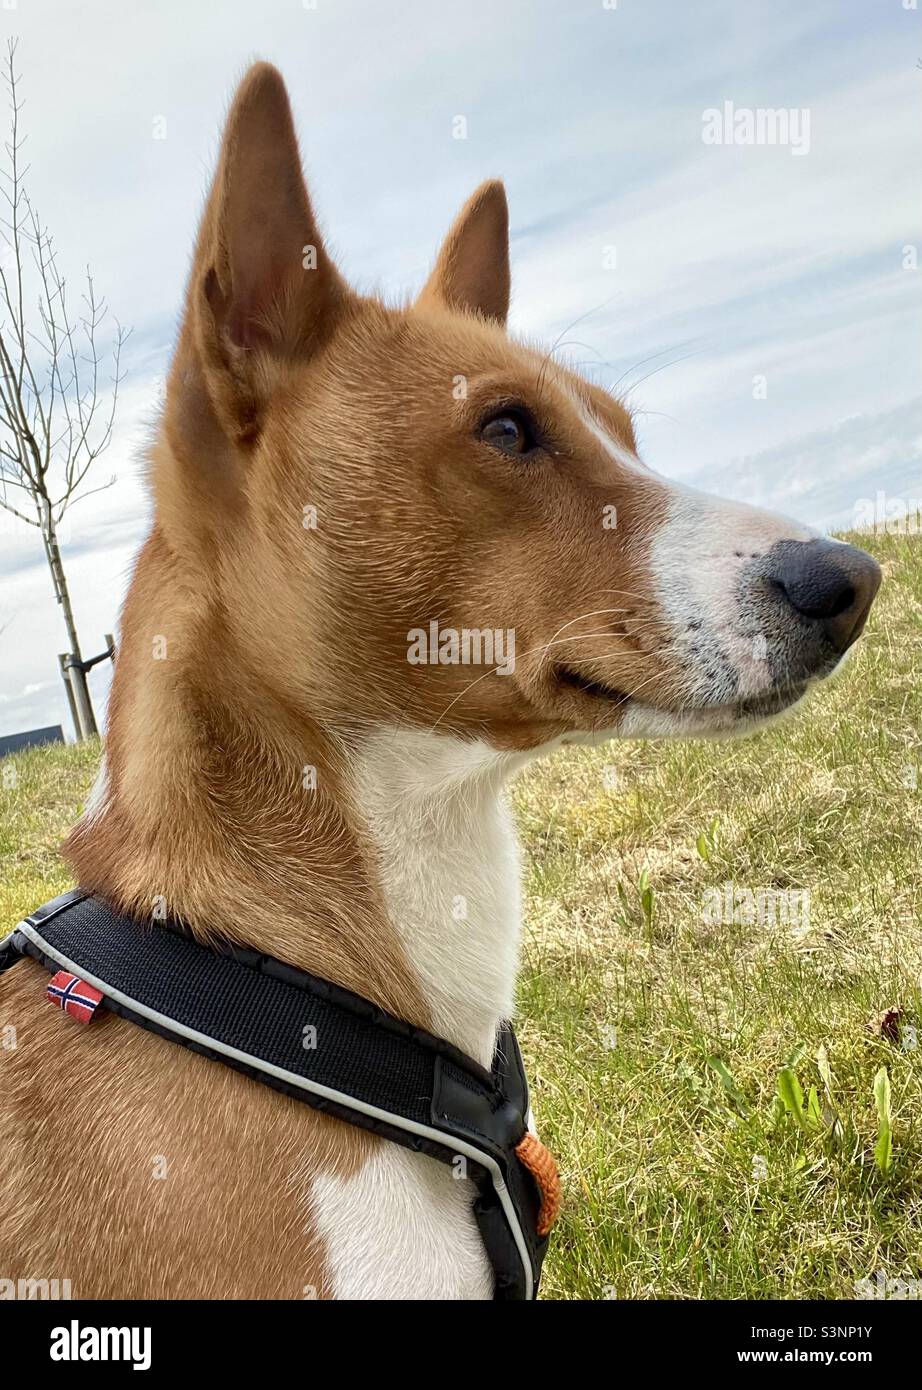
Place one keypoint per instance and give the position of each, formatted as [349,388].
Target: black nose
[831,584]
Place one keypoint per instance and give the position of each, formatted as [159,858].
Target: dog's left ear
[472,271]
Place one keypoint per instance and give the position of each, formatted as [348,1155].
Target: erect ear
[262,286]
[472,271]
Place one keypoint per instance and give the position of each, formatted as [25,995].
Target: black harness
[319,1044]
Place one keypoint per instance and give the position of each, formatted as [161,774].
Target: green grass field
[708,1087]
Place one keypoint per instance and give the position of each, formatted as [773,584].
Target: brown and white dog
[329,475]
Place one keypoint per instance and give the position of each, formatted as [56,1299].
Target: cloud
[825,477]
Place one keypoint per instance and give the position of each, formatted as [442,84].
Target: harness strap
[324,1046]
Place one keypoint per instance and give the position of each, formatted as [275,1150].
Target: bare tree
[57,408]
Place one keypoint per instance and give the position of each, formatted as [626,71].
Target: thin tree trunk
[61,591]
[81,703]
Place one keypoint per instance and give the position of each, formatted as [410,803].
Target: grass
[42,792]
[736,1107]
[658,1040]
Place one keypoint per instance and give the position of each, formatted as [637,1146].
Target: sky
[759,301]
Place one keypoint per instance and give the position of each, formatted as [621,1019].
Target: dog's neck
[447,859]
[383,859]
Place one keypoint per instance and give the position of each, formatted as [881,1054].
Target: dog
[331,476]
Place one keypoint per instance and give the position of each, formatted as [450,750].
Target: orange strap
[540,1163]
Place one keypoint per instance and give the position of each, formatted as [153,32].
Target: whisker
[652,358]
[656,370]
[584,637]
[560,337]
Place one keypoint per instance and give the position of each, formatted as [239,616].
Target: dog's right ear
[263,291]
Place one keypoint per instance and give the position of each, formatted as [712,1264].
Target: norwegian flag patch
[74,996]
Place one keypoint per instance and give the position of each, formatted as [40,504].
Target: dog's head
[402,514]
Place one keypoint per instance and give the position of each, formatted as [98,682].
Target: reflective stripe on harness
[324,1046]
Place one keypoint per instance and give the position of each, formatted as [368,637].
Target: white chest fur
[449,866]
[448,861]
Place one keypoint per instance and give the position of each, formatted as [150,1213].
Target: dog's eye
[512,431]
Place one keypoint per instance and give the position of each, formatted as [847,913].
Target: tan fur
[253,648]
[152,1176]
